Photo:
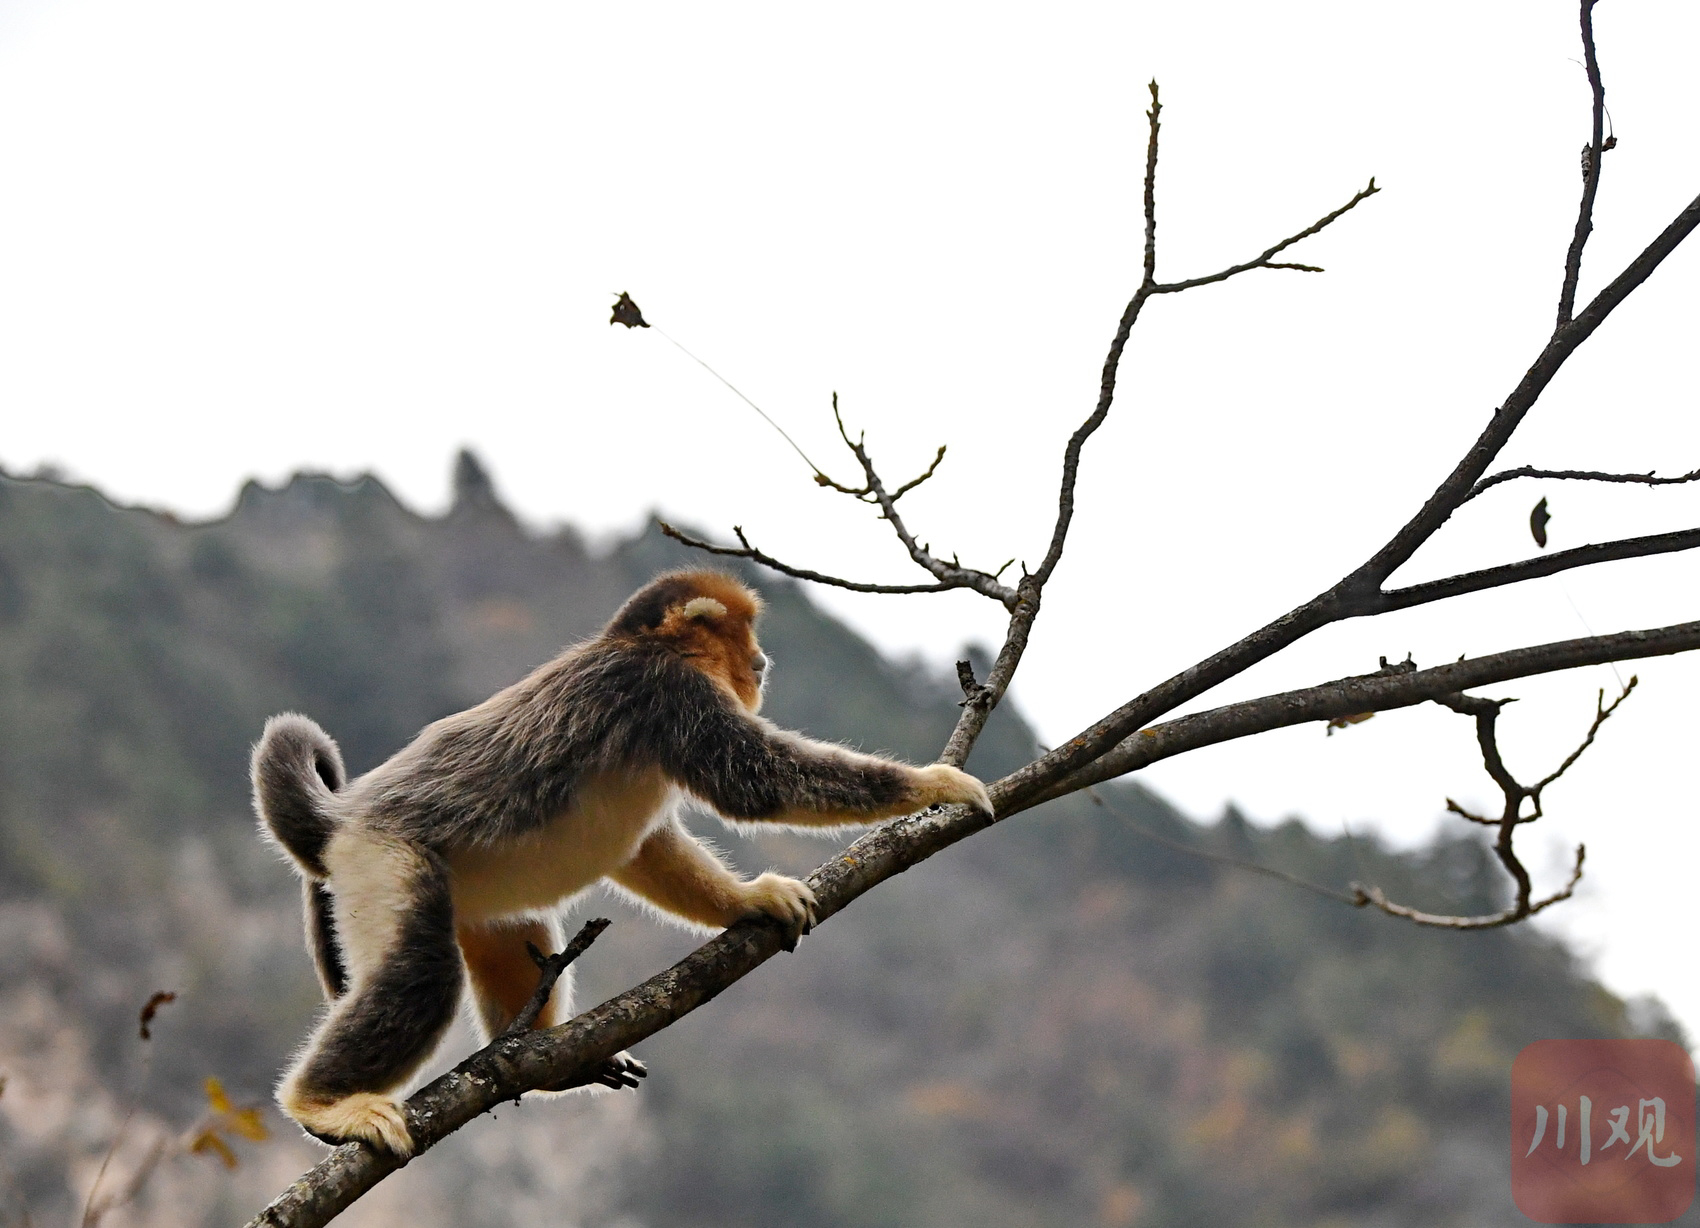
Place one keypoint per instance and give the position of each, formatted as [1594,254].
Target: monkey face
[710,618]
[723,645]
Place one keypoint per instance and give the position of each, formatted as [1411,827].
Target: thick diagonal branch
[572,1053]
[1378,692]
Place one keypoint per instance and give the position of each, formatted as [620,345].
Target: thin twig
[1578,475]
[1492,921]
[144,1022]
[747,551]
[814,468]
[1264,261]
[953,573]
[1112,360]
[914,482]
[1592,157]
[549,969]
[1602,713]
[1292,880]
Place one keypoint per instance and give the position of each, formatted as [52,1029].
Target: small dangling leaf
[207,1141]
[1538,523]
[151,1008]
[627,312]
[247,1123]
[219,1102]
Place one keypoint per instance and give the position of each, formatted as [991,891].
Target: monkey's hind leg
[503,976]
[395,925]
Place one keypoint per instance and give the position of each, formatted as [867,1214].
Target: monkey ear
[703,607]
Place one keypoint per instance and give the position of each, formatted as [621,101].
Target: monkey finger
[622,1071]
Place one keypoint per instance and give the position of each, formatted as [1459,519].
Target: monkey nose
[759,663]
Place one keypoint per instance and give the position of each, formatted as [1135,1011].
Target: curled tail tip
[296,767]
[293,738]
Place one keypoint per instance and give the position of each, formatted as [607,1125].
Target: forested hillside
[1062,1022]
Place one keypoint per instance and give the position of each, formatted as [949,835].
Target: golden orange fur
[720,642]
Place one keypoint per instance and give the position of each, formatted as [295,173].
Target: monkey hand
[786,900]
[622,1071]
[943,785]
[618,1072]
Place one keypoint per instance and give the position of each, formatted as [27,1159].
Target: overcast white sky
[240,239]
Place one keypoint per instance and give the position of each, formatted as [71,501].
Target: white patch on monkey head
[704,607]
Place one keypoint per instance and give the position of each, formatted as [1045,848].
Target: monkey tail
[296,768]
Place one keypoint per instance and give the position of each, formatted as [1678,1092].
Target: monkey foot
[365,1116]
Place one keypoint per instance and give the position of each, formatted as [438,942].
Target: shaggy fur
[436,867]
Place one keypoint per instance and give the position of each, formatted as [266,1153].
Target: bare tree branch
[1265,260]
[1592,156]
[1378,692]
[1485,713]
[549,969]
[1360,590]
[952,573]
[1530,569]
[1491,921]
[914,482]
[748,551]
[1602,713]
[1578,475]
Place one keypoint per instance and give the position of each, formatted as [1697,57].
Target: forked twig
[1485,712]
[1266,260]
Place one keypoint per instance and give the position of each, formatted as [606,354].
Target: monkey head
[708,618]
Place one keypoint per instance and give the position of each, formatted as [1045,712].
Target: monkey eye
[758,662]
